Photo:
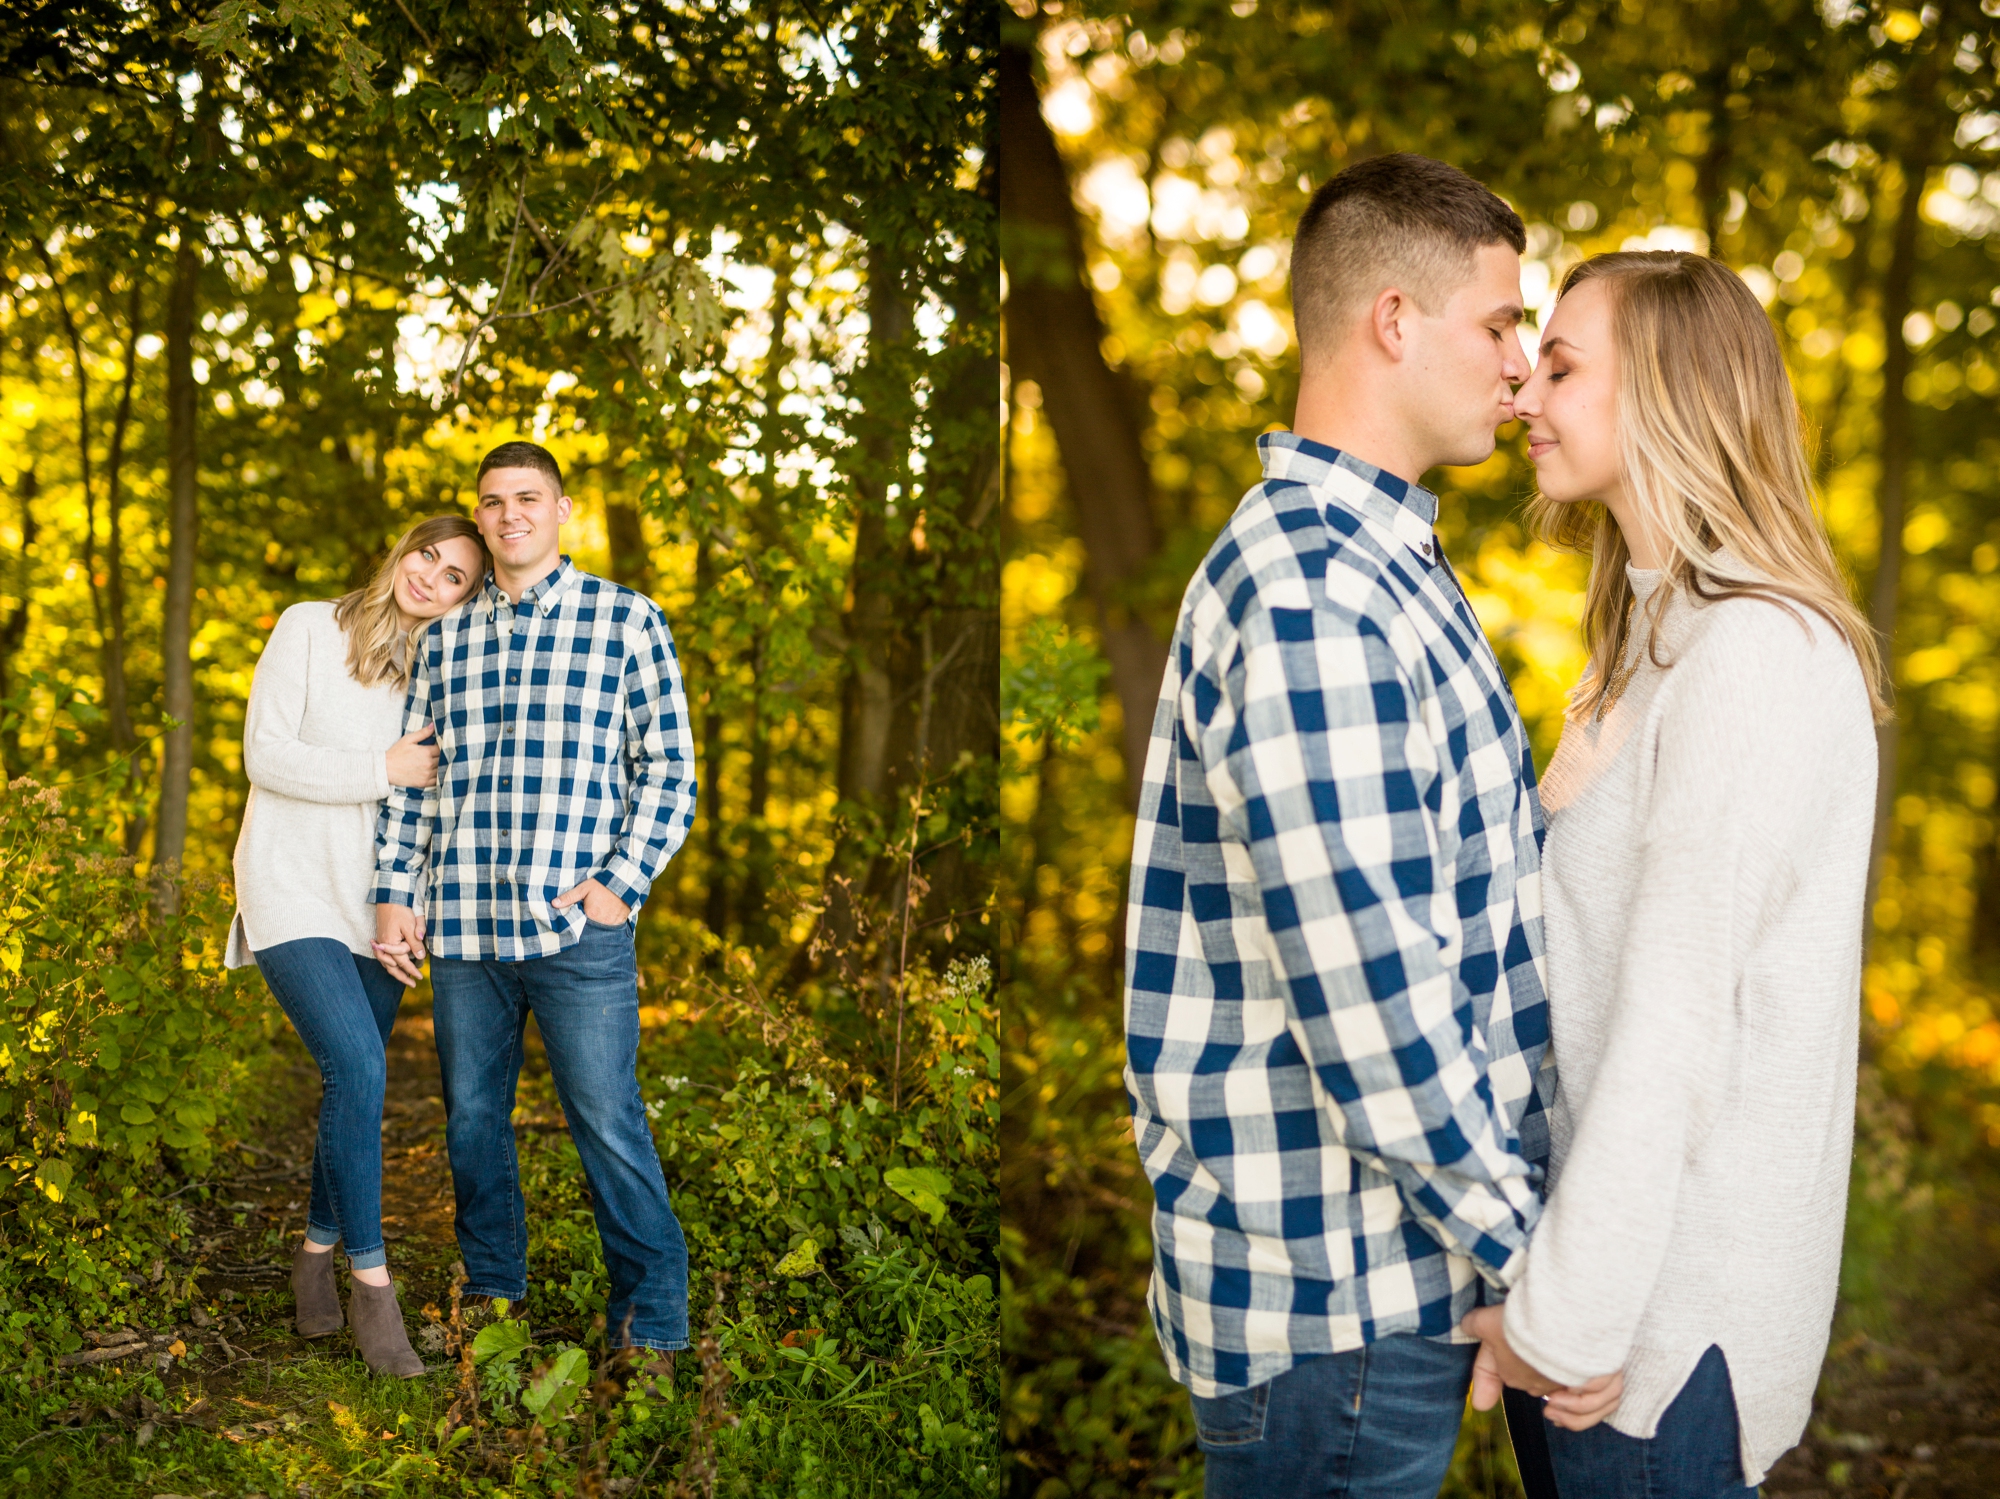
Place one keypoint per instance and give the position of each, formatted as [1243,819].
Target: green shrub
[120,1043]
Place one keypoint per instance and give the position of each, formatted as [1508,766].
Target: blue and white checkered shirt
[1334,1004]
[563,755]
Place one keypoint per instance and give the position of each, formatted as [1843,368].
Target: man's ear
[564,505]
[1388,316]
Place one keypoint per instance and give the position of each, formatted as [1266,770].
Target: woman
[320,748]
[1710,809]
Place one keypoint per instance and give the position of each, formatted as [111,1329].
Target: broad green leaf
[506,1340]
[800,1262]
[925,1188]
[137,1113]
[551,1392]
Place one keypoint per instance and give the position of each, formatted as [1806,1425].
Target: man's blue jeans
[343,1006]
[1379,1422]
[585,1000]
[1694,1454]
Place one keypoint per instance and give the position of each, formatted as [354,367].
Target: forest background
[1153,160]
[273,277]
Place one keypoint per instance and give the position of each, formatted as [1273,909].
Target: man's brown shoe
[479,1311]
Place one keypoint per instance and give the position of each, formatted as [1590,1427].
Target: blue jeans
[1379,1422]
[1694,1455]
[343,1006]
[585,1000]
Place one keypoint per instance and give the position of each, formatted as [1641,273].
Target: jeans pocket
[1232,1420]
[604,926]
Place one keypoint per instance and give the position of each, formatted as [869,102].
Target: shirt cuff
[394,890]
[625,880]
[382,786]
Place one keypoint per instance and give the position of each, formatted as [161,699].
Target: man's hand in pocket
[599,904]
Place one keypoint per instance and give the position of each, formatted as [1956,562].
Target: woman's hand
[412,762]
[1573,1409]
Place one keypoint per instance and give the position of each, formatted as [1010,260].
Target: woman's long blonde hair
[379,649]
[1711,444]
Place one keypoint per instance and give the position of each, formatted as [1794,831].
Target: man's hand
[1575,1408]
[399,942]
[599,904]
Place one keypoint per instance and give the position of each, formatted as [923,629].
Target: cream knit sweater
[315,746]
[1704,874]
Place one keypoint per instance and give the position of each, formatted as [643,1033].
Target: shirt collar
[1336,478]
[543,596]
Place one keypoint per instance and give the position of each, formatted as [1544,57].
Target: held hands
[1573,1409]
[399,942]
[412,762]
[599,904]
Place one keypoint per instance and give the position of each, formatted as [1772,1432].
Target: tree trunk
[177,629]
[752,913]
[1714,164]
[955,726]
[116,705]
[877,581]
[14,625]
[1055,338]
[1892,499]
[626,540]
[715,910]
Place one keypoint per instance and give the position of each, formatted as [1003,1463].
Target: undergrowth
[829,1143]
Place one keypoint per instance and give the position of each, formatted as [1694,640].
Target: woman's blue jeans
[585,1000]
[1693,1455]
[343,1006]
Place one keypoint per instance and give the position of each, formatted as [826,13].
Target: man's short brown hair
[523,455]
[1400,220]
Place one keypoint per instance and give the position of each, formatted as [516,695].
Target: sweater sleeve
[275,757]
[1755,710]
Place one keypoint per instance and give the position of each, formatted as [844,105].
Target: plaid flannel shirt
[563,755]
[1334,1002]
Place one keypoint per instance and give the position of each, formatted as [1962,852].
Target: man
[565,784]
[1334,1009]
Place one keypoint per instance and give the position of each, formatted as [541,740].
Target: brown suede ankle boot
[377,1319]
[315,1293]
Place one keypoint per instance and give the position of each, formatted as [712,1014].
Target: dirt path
[1915,1415]
[247,1277]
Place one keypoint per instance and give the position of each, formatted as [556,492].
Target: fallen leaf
[177,1348]
[797,1336]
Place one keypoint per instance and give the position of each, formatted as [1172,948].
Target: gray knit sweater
[315,746]
[1704,875]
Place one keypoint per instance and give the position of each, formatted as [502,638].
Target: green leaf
[137,1113]
[550,1393]
[800,1262]
[53,1177]
[925,1188]
[505,1340]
